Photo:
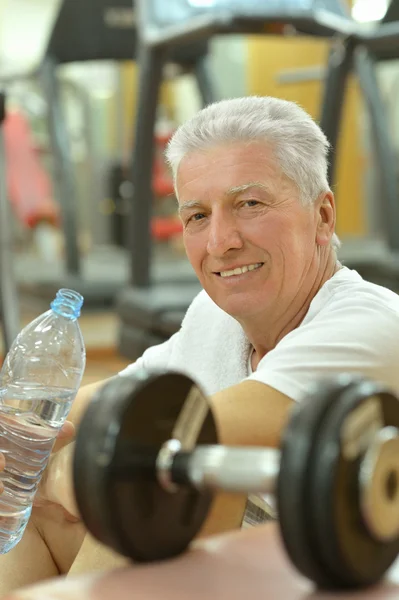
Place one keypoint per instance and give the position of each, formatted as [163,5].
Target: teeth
[240,270]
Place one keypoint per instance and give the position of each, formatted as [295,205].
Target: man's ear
[325,206]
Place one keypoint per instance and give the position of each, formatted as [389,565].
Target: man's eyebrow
[189,204]
[238,189]
[234,191]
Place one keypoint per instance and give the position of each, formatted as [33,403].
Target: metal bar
[64,176]
[8,290]
[143,16]
[234,469]
[384,148]
[150,63]
[335,24]
[198,27]
[204,80]
[212,22]
[91,179]
[382,38]
[339,65]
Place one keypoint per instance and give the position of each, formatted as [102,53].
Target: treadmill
[92,30]
[150,311]
[375,259]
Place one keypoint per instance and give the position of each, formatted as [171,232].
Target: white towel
[211,347]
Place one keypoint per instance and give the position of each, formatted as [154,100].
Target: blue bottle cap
[67,303]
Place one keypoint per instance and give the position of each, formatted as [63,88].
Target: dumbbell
[147,464]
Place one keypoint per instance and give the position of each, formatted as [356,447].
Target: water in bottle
[39,380]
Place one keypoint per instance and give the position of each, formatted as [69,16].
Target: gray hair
[299,144]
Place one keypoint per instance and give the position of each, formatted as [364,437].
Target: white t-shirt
[351,326]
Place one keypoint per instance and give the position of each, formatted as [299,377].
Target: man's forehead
[238,189]
[237,155]
[227,170]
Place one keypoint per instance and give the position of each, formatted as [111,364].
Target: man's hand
[65,435]
[56,486]
[50,542]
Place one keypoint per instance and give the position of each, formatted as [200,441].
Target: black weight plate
[94,448]
[134,514]
[352,554]
[294,479]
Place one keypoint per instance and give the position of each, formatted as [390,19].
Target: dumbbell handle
[228,468]
[255,470]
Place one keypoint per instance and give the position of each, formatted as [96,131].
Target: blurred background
[93,91]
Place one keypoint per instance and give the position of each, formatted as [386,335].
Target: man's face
[249,239]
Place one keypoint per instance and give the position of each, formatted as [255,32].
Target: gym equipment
[376,260]
[9,315]
[147,463]
[31,195]
[87,31]
[144,307]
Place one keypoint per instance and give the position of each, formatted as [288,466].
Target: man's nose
[224,235]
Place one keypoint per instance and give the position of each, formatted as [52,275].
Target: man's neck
[266,331]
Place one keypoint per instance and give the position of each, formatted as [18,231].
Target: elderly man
[277,311]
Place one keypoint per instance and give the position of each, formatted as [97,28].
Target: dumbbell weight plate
[347,547]
[293,496]
[117,491]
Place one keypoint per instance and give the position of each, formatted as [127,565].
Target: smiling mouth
[239,270]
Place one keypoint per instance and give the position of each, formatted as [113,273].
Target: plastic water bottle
[38,383]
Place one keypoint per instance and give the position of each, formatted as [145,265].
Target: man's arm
[251,414]
[248,414]
[30,561]
[250,563]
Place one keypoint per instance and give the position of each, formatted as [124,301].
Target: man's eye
[197,217]
[252,202]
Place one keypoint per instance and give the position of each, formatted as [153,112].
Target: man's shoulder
[348,289]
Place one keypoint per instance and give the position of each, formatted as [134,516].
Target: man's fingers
[66,431]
